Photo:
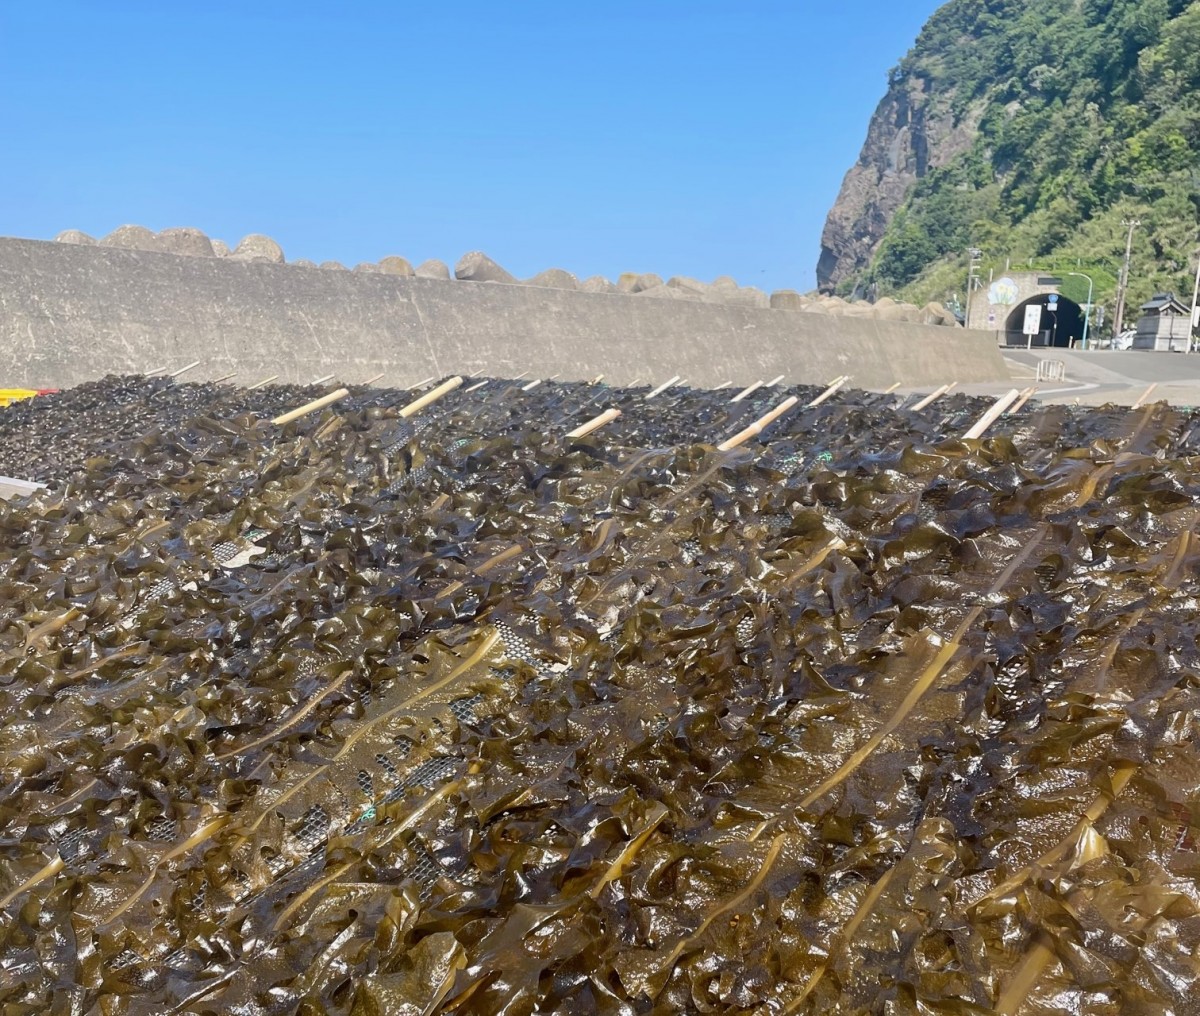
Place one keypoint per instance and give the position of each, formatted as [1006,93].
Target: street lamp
[1087,315]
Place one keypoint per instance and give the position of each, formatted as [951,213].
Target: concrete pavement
[1100,377]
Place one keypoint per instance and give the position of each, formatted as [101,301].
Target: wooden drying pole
[597,379]
[745,392]
[892,389]
[663,387]
[328,400]
[223,377]
[561,420]
[595,423]
[430,397]
[532,385]
[311,407]
[372,380]
[829,392]
[1145,396]
[772,384]
[723,386]
[322,380]
[263,383]
[184,370]
[758,425]
[477,385]
[1026,395]
[151,373]
[992,415]
[13,487]
[422,384]
[930,399]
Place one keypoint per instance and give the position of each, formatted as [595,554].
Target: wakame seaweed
[454,714]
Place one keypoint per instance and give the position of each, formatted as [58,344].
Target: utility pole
[973,283]
[1195,312]
[1123,283]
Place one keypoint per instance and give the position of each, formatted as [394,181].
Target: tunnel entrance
[1060,327]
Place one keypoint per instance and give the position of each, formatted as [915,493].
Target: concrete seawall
[73,313]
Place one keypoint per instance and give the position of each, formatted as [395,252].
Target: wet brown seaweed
[455,714]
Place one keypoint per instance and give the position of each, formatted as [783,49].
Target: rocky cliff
[914,129]
[1030,131]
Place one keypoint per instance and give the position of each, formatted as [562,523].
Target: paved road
[1101,376]
[1118,367]
[1097,377]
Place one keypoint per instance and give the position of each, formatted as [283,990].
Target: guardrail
[1051,370]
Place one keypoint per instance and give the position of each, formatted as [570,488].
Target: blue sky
[703,138]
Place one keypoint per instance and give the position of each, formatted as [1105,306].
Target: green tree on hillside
[1090,113]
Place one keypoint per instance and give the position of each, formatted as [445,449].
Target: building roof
[1165,303]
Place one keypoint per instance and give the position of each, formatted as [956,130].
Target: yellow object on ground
[11,395]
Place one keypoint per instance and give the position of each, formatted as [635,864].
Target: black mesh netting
[378,715]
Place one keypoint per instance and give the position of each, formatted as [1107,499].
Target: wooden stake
[322,380]
[892,389]
[523,373]
[1145,396]
[372,380]
[157,370]
[223,377]
[422,384]
[722,387]
[12,487]
[772,384]
[474,387]
[334,423]
[183,370]
[758,425]
[311,407]
[1026,395]
[532,385]
[263,383]
[828,393]
[597,379]
[595,423]
[663,387]
[992,415]
[445,388]
[930,399]
[747,391]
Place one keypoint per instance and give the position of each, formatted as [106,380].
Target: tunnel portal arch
[1060,328]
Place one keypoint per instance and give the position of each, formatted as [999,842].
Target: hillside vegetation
[1088,114]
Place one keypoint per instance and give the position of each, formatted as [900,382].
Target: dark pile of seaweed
[453,714]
